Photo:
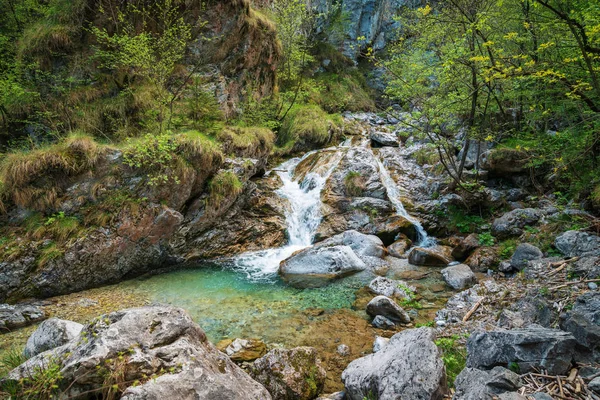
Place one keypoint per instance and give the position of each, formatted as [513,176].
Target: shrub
[454,356]
[154,154]
[426,155]
[354,183]
[486,239]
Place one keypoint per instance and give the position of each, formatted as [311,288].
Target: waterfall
[393,192]
[302,217]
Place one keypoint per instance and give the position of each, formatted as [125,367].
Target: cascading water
[302,218]
[393,192]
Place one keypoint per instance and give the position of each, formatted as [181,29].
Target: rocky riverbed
[374,249]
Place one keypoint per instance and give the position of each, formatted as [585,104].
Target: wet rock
[155,339]
[51,334]
[333,396]
[530,348]
[476,384]
[399,247]
[513,222]
[380,139]
[380,343]
[391,288]
[363,245]
[459,276]
[583,321]
[408,367]
[438,256]
[466,247]
[290,374]
[483,259]
[240,350]
[389,230]
[388,308]
[316,266]
[382,322]
[19,315]
[577,243]
[524,253]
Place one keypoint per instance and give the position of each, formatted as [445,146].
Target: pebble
[592,286]
[440,323]
[343,350]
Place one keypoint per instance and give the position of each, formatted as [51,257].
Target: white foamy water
[302,217]
[394,194]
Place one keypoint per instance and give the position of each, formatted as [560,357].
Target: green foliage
[506,248]
[486,239]
[354,183]
[153,154]
[410,299]
[454,356]
[426,155]
[341,92]
[48,253]
[459,220]
[42,383]
[306,126]
[223,186]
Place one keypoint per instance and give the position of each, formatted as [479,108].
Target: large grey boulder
[50,334]
[316,266]
[577,243]
[363,245]
[588,267]
[524,253]
[381,138]
[583,321]
[530,348]
[408,367]
[386,307]
[476,384]
[459,276]
[290,374]
[161,343]
[19,315]
[513,222]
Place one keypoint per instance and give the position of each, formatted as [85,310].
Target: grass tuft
[223,185]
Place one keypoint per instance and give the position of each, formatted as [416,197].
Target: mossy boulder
[504,161]
[240,350]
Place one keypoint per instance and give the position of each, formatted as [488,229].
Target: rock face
[408,367]
[51,334]
[240,350]
[143,343]
[529,348]
[583,321]
[524,253]
[513,222]
[438,256]
[386,307]
[459,276]
[294,374]
[576,243]
[18,316]
[475,384]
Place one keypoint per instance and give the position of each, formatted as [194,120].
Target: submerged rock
[438,256]
[459,276]
[145,342]
[294,374]
[51,334]
[386,307]
[408,367]
[240,350]
[529,348]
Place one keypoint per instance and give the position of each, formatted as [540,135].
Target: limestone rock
[294,374]
[391,288]
[438,256]
[482,259]
[408,367]
[524,253]
[381,138]
[150,340]
[583,321]
[388,308]
[50,334]
[459,276]
[382,322]
[380,343]
[529,348]
[18,316]
[392,228]
[399,247]
[576,243]
[513,222]
[466,247]
[476,384]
